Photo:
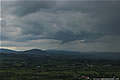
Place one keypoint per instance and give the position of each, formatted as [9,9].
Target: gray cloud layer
[64,21]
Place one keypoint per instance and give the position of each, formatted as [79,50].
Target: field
[54,67]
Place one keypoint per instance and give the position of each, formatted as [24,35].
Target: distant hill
[72,54]
[7,51]
[32,51]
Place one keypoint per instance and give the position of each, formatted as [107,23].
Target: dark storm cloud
[107,13]
[24,7]
[109,23]
[65,21]
[50,25]
[39,22]
[27,7]
[68,36]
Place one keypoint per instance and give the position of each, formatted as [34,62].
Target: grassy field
[28,67]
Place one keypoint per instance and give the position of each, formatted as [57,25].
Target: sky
[74,25]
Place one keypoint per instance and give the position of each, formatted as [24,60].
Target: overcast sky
[77,25]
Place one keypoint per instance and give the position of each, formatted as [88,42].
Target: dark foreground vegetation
[55,67]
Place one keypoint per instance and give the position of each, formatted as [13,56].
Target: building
[84,77]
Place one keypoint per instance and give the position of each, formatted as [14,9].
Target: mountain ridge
[31,50]
[3,50]
[54,53]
